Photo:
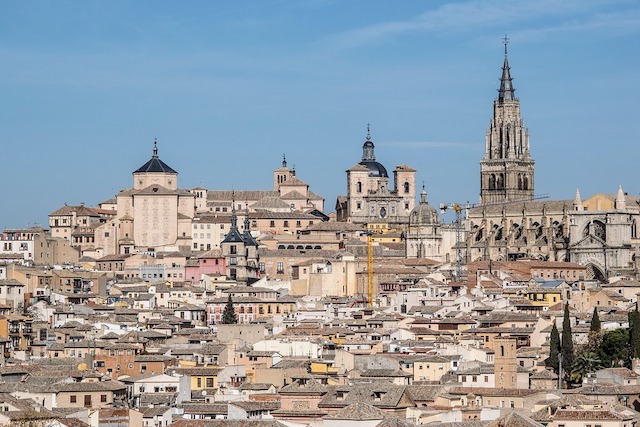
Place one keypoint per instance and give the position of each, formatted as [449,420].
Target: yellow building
[200,378]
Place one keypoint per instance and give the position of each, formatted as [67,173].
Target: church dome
[423,214]
[375,168]
[155,164]
[369,159]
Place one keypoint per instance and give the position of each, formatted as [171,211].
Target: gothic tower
[506,171]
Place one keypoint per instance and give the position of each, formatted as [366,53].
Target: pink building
[211,263]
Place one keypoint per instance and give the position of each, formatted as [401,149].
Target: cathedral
[370,197]
[510,223]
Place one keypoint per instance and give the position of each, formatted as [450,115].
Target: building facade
[370,196]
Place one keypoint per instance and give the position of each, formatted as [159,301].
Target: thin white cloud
[478,14]
[426,144]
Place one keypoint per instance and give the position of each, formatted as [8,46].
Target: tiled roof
[358,411]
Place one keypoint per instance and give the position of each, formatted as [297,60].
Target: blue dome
[375,168]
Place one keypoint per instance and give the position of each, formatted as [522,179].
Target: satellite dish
[204,392]
[82,367]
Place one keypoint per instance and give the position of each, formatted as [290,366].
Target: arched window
[525,183]
[359,187]
[520,182]
[492,182]
[502,350]
[406,187]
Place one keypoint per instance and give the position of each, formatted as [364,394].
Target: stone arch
[359,187]
[406,187]
[595,272]
[519,181]
[525,182]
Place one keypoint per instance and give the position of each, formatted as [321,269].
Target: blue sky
[227,87]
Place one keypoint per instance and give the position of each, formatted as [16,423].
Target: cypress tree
[595,333]
[595,321]
[634,334]
[229,314]
[567,342]
[554,350]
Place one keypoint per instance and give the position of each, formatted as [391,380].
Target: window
[73,398]
[87,400]
[272,223]
[103,398]
[280,268]
[210,382]
[286,223]
[199,381]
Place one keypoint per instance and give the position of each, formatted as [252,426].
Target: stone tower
[282,174]
[506,170]
[506,366]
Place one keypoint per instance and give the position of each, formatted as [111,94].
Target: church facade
[370,196]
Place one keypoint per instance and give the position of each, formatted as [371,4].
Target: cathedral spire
[284,160]
[506,91]
[621,199]
[577,201]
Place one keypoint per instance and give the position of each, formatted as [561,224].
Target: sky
[228,87]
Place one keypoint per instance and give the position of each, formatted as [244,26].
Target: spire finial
[506,91]
[284,160]
[423,194]
[368,132]
[234,217]
[505,41]
[155,147]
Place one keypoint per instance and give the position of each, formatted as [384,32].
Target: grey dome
[424,213]
[375,168]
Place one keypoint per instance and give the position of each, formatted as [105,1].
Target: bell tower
[506,170]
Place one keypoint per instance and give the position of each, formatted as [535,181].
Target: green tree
[595,332]
[566,347]
[634,334]
[614,349]
[595,321]
[585,363]
[554,349]
[229,314]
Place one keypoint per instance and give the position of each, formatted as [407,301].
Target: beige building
[153,216]
[370,196]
